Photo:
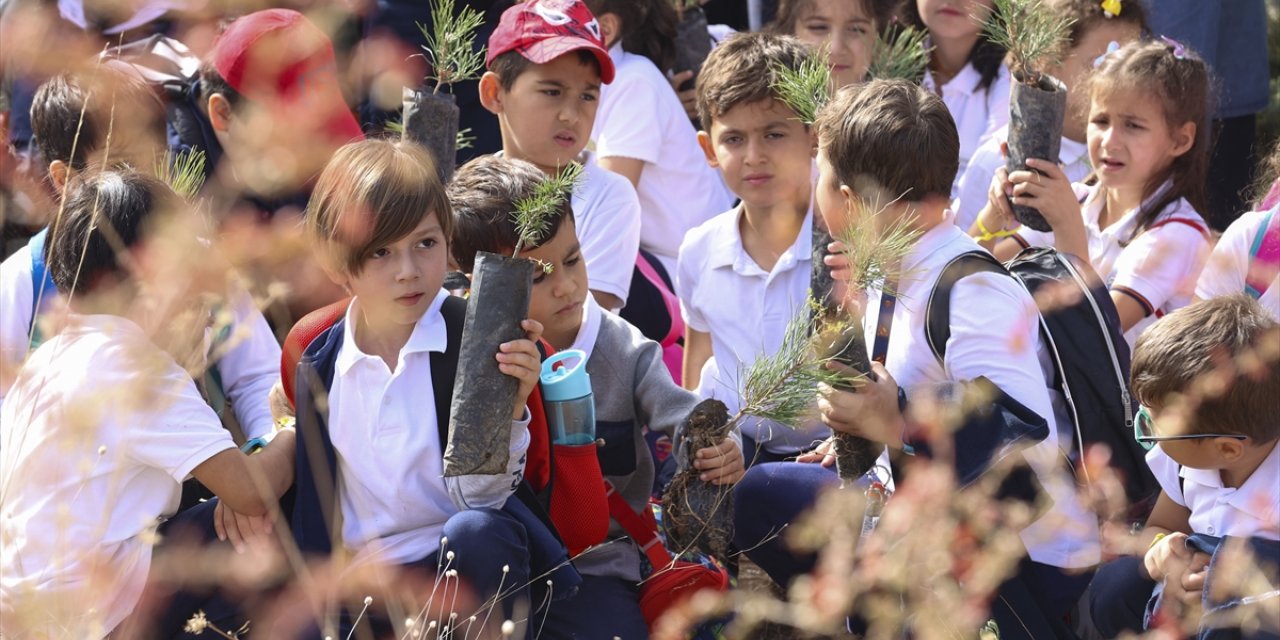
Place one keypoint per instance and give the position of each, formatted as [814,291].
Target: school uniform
[978,112]
[1251,510]
[1158,268]
[641,118]
[975,179]
[1226,270]
[101,428]
[745,309]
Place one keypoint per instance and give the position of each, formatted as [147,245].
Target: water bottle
[566,396]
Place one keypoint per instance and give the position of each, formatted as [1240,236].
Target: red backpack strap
[300,337]
[537,467]
[1194,224]
[1264,255]
[642,528]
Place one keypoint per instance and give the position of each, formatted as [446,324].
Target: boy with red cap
[546,64]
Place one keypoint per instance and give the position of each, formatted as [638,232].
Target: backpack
[1086,345]
[1264,256]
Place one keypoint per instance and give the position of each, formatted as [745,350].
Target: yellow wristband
[1158,538]
[988,235]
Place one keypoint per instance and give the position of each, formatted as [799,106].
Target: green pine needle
[805,89]
[900,54]
[464,139]
[532,214]
[449,43]
[875,255]
[183,172]
[1034,34]
[394,126]
[781,387]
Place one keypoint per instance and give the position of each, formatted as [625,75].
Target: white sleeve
[631,129]
[975,182]
[1167,473]
[609,232]
[997,104]
[16,300]
[1161,264]
[1225,270]
[251,366]
[686,283]
[491,491]
[178,431]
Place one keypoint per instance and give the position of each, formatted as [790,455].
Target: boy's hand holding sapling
[520,360]
[870,411]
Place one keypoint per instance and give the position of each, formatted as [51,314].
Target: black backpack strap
[444,365]
[937,324]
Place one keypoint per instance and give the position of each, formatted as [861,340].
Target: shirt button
[1210,530]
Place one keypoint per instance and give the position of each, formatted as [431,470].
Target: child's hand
[824,453]
[721,464]
[279,402]
[1051,194]
[520,360]
[240,530]
[838,263]
[871,411]
[688,99]
[1193,578]
[1167,557]
[997,215]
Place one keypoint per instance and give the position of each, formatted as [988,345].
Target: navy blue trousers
[604,608]
[1118,596]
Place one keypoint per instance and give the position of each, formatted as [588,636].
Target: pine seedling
[900,54]
[183,172]
[1034,35]
[532,216]
[806,88]
[449,44]
[875,255]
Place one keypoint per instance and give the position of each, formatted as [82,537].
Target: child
[965,68]
[629,383]
[545,98]
[893,137]
[1247,256]
[642,133]
[102,426]
[1137,223]
[1092,34]
[247,367]
[745,274]
[1216,460]
[845,31]
[382,226]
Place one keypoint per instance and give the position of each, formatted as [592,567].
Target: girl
[1136,221]
[965,69]
[643,133]
[1092,33]
[845,29]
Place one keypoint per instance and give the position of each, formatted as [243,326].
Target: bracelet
[1157,539]
[988,235]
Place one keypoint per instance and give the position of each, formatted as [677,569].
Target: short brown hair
[508,66]
[1194,346]
[484,193]
[370,194]
[100,94]
[742,70]
[892,138]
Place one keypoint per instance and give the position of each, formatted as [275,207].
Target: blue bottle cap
[566,382]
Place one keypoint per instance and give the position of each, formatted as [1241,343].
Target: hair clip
[1179,51]
[1111,8]
[1112,47]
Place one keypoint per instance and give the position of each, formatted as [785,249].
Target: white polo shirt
[1252,510]
[975,179]
[101,428]
[382,423]
[641,118]
[978,113]
[746,310]
[995,334]
[606,214]
[1224,272]
[1159,268]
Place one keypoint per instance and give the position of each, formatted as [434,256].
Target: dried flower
[197,624]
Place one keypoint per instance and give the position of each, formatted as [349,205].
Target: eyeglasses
[1144,432]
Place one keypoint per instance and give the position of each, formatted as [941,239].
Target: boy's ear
[610,25]
[813,141]
[219,112]
[1229,448]
[709,150]
[1184,138]
[58,174]
[491,92]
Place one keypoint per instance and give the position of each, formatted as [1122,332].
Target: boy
[382,225]
[630,385]
[894,142]
[743,275]
[546,63]
[103,425]
[1214,453]
[247,367]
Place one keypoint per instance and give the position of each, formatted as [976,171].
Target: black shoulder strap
[937,319]
[444,365]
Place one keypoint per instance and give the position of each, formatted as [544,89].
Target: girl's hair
[985,56]
[1180,81]
[648,27]
[1088,14]
[789,12]
[1267,185]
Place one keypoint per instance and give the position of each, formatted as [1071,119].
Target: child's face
[843,29]
[953,20]
[548,113]
[399,281]
[1130,140]
[766,154]
[558,296]
[1078,62]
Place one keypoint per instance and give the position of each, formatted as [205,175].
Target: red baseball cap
[542,30]
[278,58]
